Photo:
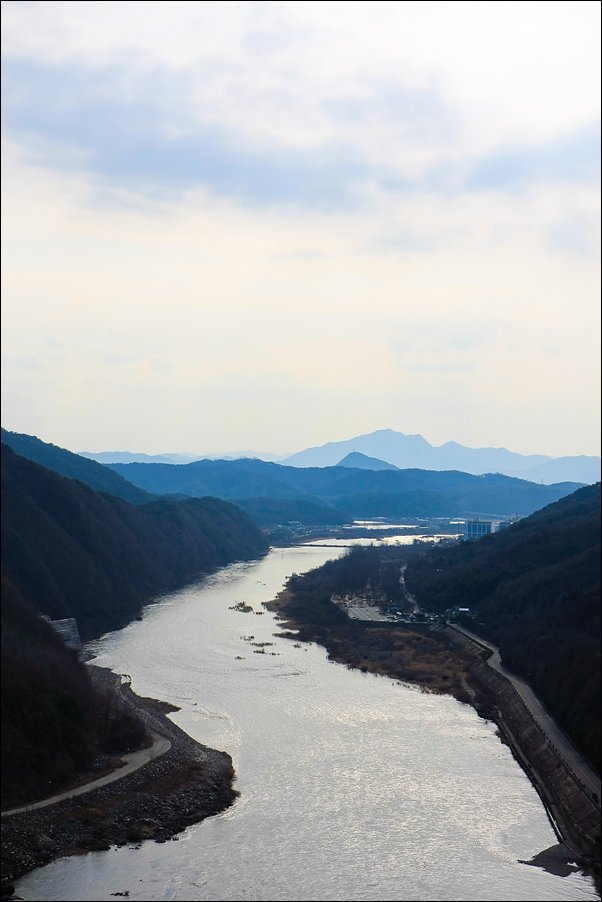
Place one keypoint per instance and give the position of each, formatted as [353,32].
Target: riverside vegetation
[410,653]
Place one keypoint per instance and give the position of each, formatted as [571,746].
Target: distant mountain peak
[357,460]
[415,452]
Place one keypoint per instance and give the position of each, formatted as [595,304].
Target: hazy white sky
[270,225]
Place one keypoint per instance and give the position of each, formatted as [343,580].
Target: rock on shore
[185,785]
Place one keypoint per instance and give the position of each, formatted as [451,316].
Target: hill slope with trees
[355,492]
[68,551]
[534,590]
[55,722]
[73,552]
[74,466]
[324,495]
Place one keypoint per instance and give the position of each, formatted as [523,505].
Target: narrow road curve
[547,725]
[132,761]
[406,592]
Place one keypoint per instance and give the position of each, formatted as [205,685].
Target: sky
[269,225]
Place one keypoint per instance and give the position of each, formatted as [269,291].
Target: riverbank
[413,654]
[573,812]
[442,661]
[185,785]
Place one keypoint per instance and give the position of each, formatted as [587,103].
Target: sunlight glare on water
[353,787]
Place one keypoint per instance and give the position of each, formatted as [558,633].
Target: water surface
[353,787]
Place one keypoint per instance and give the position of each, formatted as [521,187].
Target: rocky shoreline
[185,785]
[573,813]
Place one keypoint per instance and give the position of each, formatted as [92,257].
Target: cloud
[292,103]
[63,122]
[153,143]
[508,70]
[573,158]
[249,217]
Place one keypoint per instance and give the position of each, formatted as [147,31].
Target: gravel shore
[185,785]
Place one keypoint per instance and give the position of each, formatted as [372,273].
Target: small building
[67,630]
[476,529]
[485,524]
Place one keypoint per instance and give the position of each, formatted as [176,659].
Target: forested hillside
[68,551]
[534,590]
[353,492]
[322,495]
[270,511]
[74,466]
[72,552]
[55,723]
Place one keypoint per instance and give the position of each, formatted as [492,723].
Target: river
[352,786]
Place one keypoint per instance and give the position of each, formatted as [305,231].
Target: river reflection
[352,786]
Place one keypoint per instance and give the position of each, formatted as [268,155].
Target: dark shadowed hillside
[72,552]
[68,551]
[74,466]
[270,511]
[355,492]
[55,723]
[534,589]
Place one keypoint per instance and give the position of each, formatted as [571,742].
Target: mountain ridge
[347,492]
[74,466]
[355,492]
[400,450]
[126,457]
[414,451]
[91,555]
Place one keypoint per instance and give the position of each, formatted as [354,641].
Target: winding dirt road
[132,761]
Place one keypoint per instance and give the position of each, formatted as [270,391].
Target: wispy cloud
[572,158]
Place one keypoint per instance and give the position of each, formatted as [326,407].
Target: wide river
[352,786]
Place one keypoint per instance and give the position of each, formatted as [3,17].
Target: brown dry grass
[413,655]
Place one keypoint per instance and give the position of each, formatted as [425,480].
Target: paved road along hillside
[545,722]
